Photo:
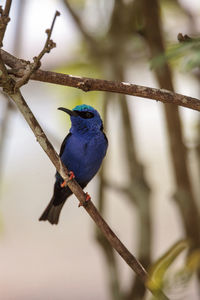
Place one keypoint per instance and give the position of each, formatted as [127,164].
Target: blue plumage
[82,152]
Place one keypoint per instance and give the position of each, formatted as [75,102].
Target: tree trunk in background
[112,272]
[184,195]
[139,192]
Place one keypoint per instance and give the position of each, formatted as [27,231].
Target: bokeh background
[148,187]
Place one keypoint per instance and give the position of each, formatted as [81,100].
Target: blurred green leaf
[193,261]
[185,53]
[160,267]
[191,265]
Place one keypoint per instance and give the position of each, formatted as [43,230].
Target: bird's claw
[85,202]
[65,182]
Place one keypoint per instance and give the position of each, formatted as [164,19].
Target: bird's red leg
[71,176]
[87,199]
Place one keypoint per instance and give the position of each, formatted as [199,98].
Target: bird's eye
[85,114]
[89,115]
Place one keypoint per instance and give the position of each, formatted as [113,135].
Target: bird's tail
[52,213]
[53,209]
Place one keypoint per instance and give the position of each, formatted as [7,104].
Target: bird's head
[84,118]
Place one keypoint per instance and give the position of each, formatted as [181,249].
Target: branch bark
[90,84]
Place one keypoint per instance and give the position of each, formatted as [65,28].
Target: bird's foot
[85,202]
[65,182]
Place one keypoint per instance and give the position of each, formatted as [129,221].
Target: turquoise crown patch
[83,107]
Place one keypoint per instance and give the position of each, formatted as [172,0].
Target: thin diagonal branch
[76,189]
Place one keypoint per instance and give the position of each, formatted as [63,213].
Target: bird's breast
[83,155]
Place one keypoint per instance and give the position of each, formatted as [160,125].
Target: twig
[49,43]
[12,61]
[76,189]
[184,38]
[36,64]
[4,19]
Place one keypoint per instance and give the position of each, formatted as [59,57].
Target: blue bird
[82,152]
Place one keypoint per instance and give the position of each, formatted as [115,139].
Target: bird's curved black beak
[68,111]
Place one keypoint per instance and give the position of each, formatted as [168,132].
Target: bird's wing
[105,138]
[63,144]
[104,134]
